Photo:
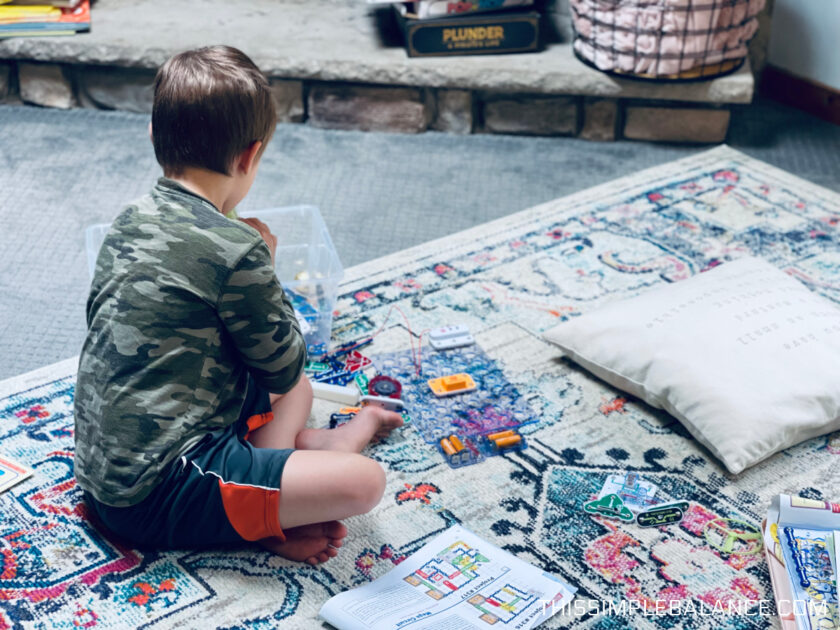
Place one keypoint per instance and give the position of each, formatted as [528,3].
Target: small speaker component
[382,385]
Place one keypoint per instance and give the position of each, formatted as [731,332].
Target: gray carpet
[379,193]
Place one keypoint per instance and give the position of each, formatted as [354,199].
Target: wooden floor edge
[805,94]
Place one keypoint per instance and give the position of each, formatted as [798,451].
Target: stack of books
[25,18]
[467,27]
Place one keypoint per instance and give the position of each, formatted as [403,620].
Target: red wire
[416,357]
[419,364]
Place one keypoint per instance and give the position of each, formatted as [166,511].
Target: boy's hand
[266,234]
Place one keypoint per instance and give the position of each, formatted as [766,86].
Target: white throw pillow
[746,357]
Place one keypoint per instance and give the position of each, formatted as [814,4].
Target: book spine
[429,9]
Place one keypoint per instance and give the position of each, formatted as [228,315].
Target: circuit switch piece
[449,337]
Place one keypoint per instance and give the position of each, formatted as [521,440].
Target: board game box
[503,32]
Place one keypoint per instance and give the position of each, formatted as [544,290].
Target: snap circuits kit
[455,396]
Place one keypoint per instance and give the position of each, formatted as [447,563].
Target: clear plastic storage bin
[306,263]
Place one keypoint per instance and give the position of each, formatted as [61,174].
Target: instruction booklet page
[456,581]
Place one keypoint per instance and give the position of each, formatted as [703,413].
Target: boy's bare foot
[312,544]
[370,423]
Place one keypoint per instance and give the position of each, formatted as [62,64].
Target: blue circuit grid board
[495,404]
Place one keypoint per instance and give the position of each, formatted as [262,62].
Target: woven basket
[664,40]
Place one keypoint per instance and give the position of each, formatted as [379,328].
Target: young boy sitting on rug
[191,400]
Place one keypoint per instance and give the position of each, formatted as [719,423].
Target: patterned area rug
[508,281]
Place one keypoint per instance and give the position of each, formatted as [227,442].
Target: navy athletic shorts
[221,491]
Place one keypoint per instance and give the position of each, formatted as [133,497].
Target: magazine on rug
[457,580]
[801,537]
[11,473]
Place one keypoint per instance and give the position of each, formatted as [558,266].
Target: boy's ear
[151,136]
[248,157]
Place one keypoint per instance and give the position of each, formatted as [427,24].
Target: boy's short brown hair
[210,105]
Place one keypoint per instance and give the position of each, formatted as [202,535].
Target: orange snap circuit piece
[456,442]
[452,384]
[447,447]
[507,442]
[501,434]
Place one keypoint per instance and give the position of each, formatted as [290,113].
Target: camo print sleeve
[261,322]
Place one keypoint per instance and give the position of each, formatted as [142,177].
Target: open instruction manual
[457,581]
[11,473]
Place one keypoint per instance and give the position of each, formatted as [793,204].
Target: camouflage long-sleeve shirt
[184,304]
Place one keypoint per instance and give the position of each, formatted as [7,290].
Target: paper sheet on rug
[456,581]
[11,473]
[803,534]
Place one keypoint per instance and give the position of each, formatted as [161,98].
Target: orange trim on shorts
[253,512]
[258,420]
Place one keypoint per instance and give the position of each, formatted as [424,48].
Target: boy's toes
[295,549]
[394,421]
[318,558]
[335,530]
[323,556]
[388,421]
[312,544]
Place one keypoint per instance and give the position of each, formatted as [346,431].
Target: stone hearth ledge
[338,41]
